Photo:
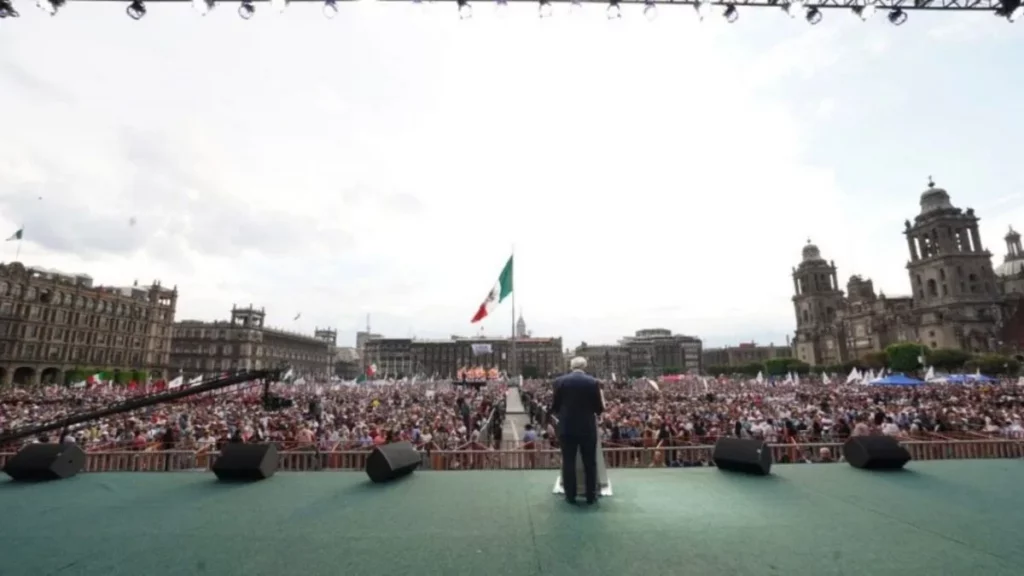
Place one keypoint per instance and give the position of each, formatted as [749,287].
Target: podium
[604,486]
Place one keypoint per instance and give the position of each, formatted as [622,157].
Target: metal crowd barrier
[533,458]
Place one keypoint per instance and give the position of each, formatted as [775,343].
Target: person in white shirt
[889,428]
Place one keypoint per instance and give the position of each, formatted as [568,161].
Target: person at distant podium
[577,402]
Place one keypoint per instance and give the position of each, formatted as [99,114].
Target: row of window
[29,332]
[59,354]
[49,315]
[99,305]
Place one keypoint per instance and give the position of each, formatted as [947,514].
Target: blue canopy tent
[897,380]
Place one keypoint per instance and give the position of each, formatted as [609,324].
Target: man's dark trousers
[571,444]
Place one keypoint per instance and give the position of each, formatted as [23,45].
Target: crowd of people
[446,416]
[697,410]
[326,416]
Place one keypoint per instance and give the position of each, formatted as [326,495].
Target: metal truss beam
[906,5]
[897,9]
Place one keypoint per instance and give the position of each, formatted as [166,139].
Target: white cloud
[386,162]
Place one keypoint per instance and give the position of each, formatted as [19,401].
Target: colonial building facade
[54,325]
[957,299]
[245,343]
[444,358]
[651,352]
[744,354]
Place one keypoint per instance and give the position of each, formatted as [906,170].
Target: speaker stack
[246,462]
[743,455]
[392,461]
[875,453]
[45,461]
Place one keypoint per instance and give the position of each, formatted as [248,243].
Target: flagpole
[512,360]
[17,248]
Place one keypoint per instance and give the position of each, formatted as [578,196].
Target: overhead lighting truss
[810,10]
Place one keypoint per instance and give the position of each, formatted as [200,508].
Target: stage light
[136,10]
[575,7]
[614,12]
[813,16]
[465,10]
[545,9]
[897,17]
[246,10]
[279,6]
[51,7]
[703,8]
[1012,10]
[501,6]
[203,6]
[793,8]
[7,10]
[731,13]
[650,10]
[330,8]
[866,11]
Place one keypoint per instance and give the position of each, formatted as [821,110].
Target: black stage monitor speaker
[875,453]
[392,461]
[37,462]
[741,455]
[246,462]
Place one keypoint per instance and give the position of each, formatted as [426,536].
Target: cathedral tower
[1011,272]
[956,296]
[816,301]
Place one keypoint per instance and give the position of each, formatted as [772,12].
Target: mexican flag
[497,294]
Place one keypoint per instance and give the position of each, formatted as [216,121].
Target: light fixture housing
[136,10]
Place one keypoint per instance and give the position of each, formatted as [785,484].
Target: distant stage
[946,517]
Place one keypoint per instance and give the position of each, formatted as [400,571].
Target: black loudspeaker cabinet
[392,461]
[743,455]
[875,453]
[40,462]
[246,462]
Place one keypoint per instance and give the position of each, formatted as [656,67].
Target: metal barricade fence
[540,458]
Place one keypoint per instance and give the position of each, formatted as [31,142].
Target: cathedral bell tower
[955,290]
[816,302]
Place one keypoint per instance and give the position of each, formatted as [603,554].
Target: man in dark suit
[577,402]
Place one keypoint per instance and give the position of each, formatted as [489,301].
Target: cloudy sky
[385,162]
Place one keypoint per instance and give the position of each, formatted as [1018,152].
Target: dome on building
[934,199]
[1012,235]
[811,253]
[1010,268]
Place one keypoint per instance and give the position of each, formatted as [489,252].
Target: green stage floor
[952,517]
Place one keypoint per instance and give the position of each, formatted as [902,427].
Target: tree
[530,372]
[776,366]
[875,360]
[798,366]
[672,370]
[904,357]
[751,369]
[948,360]
[997,365]
[718,370]
[74,376]
[636,373]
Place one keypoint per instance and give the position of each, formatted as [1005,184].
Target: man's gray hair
[578,363]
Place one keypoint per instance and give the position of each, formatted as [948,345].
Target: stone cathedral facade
[957,299]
